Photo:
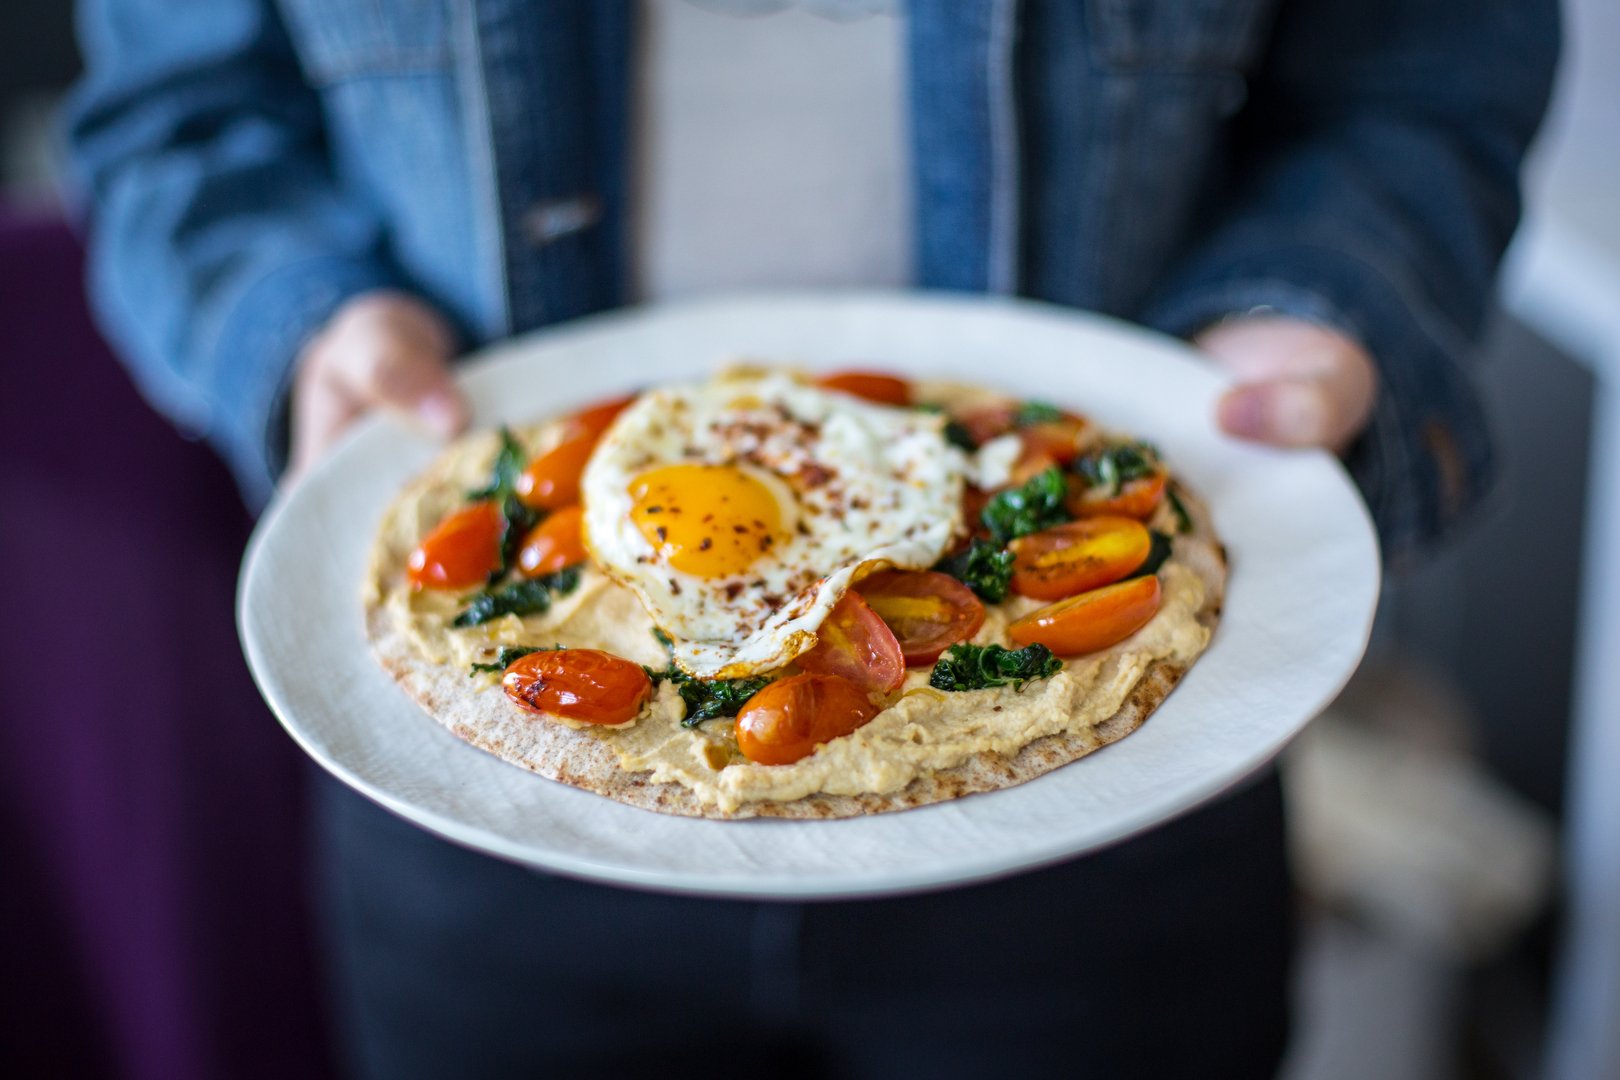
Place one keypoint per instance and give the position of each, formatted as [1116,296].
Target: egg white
[860,486]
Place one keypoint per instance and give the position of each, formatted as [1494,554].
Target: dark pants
[1163,957]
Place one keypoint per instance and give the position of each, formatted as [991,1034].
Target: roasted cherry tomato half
[462,550]
[553,544]
[1136,499]
[1059,440]
[551,481]
[791,717]
[871,385]
[586,685]
[988,421]
[591,421]
[1081,555]
[1093,620]
[855,643]
[928,611]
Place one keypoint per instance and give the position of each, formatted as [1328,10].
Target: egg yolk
[706,520]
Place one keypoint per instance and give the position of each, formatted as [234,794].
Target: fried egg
[740,510]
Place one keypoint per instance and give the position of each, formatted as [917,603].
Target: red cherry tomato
[1136,499]
[553,544]
[928,611]
[586,685]
[854,642]
[1081,555]
[462,550]
[791,717]
[871,385]
[1093,620]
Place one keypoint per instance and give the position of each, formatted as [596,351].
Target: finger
[1282,412]
[416,380]
[322,411]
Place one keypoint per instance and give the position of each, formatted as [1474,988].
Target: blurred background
[1458,850]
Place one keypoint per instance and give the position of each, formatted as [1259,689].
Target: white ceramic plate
[1304,582]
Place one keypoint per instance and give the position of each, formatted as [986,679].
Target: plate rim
[858,883]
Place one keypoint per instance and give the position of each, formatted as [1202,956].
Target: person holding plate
[301,211]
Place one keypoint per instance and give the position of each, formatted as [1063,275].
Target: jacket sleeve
[1374,189]
[218,236]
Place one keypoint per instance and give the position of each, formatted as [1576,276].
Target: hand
[378,349]
[1299,384]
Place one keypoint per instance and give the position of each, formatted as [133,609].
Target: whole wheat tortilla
[489,721]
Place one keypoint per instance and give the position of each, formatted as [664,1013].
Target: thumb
[411,375]
[1283,412]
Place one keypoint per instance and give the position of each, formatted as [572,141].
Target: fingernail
[1243,412]
[441,413]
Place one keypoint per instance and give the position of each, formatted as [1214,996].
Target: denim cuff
[254,355]
[1425,460]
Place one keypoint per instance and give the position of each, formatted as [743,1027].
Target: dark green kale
[516,518]
[708,699]
[1031,413]
[955,433]
[529,597]
[509,464]
[1157,554]
[983,567]
[1112,467]
[977,667]
[1184,522]
[1036,505]
[504,657]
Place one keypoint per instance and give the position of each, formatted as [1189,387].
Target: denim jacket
[248,164]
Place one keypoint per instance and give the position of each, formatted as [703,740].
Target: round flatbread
[929,746]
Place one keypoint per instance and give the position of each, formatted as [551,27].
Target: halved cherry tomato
[1030,464]
[1081,555]
[928,611]
[462,550]
[1093,620]
[988,421]
[1056,439]
[553,544]
[871,385]
[587,685]
[855,643]
[791,717]
[551,481]
[592,420]
[1137,498]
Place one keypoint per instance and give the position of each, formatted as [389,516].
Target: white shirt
[769,149]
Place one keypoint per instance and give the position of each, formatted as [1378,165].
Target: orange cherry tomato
[463,549]
[553,544]
[587,685]
[1058,439]
[855,643]
[551,481]
[791,717]
[592,420]
[1081,555]
[871,385]
[928,611]
[1136,499]
[1030,464]
[1093,620]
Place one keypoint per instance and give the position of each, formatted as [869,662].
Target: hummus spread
[922,733]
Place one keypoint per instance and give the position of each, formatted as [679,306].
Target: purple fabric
[153,915]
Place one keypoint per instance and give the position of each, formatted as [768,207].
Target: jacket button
[553,219]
